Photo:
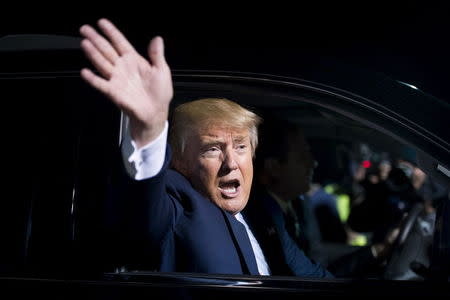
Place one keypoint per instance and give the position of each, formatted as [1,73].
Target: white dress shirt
[263,267]
[147,161]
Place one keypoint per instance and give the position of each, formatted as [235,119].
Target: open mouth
[230,188]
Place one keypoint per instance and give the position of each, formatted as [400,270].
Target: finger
[156,52]
[100,43]
[103,65]
[95,81]
[116,37]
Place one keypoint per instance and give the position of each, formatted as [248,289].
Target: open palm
[141,88]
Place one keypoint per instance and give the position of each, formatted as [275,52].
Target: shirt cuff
[149,159]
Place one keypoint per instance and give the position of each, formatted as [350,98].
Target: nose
[229,161]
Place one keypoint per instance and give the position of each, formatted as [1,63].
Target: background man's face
[219,165]
[297,170]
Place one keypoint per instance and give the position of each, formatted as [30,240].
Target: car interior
[339,144]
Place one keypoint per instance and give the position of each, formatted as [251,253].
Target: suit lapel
[264,227]
[243,241]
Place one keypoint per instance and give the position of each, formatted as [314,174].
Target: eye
[212,150]
[242,147]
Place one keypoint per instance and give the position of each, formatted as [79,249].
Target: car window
[367,186]
[370,210]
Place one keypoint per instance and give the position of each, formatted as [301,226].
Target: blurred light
[407,84]
[366,164]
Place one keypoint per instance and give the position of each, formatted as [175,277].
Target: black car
[62,137]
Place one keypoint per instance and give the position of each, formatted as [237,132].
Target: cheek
[207,172]
[247,171]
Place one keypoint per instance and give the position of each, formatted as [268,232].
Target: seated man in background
[284,170]
[191,218]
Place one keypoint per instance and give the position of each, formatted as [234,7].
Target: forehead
[211,132]
[222,132]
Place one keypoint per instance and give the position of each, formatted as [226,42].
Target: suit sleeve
[138,216]
[298,262]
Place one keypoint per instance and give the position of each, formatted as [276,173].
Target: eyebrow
[240,138]
[212,139]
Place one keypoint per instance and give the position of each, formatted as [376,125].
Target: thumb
[156,52]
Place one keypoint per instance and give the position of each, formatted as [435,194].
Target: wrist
[143,135]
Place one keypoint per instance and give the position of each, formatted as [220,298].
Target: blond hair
[192,115]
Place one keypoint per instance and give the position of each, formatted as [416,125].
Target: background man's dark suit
[263,209]
[284,256]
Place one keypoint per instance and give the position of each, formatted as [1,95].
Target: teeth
[230,190]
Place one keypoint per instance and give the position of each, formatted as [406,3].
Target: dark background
[407,40]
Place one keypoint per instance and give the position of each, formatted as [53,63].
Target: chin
[232,208]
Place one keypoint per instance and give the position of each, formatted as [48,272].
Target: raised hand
[141,88]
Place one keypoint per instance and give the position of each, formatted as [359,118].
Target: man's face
[297,170]
[219,165]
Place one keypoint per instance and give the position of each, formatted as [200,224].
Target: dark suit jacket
[357,263]
[283,254]
[166,225]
